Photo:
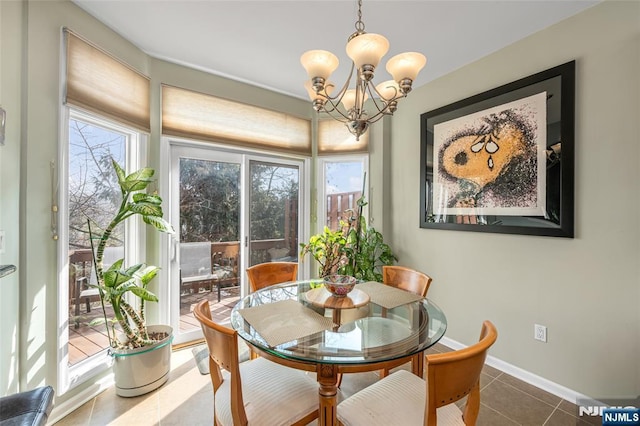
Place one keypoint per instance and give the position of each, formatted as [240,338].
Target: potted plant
[354,249]
[366,251]
[141,353]
[328,249]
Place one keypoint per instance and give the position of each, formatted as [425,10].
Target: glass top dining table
[301,325]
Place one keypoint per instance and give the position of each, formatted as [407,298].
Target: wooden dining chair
[406,279]
[406,399]
[257,391]
[269,273]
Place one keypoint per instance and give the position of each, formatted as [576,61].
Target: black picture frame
[502,161]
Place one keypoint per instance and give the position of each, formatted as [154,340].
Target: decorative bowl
[339,285]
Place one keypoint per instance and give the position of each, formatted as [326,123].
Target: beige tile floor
[186,400]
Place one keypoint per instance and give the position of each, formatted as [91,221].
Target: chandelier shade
[367,49]
[319,63]
[406,65]
[348,105]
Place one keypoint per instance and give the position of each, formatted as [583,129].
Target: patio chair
[195,266]
[86,291]
[225,265]
[257,391]
[406,399]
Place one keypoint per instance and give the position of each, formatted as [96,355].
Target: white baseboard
[524,375]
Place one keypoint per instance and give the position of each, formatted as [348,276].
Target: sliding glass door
[217,235]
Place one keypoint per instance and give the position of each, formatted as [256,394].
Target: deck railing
[222,254]
[227,253]
[337,204]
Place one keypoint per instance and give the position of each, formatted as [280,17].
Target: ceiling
[260,42]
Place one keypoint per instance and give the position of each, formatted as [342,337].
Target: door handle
[174,250]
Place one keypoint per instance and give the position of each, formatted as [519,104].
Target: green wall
[585,290]
[30,92]
[11,39]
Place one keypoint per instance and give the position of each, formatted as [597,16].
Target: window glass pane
[274,212]
[343,188]
[209,200]
[93,193]
[209,193]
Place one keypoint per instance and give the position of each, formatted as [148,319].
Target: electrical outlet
[2,242]
[540,332]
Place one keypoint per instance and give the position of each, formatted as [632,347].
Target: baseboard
[524,375]
[60,410]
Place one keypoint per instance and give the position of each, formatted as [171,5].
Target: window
[90,196]
[340,185]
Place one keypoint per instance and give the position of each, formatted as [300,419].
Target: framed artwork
[503,160]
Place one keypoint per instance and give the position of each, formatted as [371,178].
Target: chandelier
[365,50]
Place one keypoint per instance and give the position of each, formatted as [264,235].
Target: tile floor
[186,400]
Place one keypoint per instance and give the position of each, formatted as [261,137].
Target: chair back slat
[223,351]
[265,274]
[406,279]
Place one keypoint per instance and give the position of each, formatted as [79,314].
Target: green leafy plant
[328,249]
[115,283]
[354,249]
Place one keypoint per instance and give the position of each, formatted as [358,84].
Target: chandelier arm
[377,117]
[361,91]
[335,109]
[398,94]
[385,108]
[338,117]
[338,98]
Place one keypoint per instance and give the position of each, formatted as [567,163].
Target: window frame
[321,206]
[136,141]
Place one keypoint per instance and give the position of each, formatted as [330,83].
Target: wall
[41,117]
[11,38]
[585,290]
[30,91]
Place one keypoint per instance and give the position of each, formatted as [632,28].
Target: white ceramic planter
[139,371]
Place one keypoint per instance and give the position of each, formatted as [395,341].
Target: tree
[93,184]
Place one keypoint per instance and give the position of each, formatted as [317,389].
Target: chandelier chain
[359,24]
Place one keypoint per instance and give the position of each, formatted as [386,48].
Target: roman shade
[98,82]
[335,138]
[195,115]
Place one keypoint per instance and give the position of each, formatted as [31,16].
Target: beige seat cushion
[273,394]
[398,399]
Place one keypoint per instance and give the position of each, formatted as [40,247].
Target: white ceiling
[260,42]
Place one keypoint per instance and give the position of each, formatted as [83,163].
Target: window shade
[199,116]
[101,83]
[335,138]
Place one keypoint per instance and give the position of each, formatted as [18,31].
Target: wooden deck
[85,341]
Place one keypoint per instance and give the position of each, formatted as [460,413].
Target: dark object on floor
[201,356]
[30,408]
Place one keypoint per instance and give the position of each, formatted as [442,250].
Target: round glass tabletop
[282,321]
